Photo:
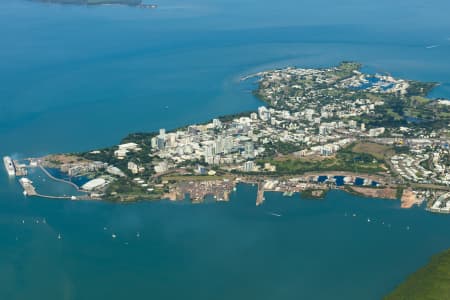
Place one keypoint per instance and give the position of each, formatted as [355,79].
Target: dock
[28,188]
[21,169]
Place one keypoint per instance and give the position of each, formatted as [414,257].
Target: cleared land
[378,151]
[386,193]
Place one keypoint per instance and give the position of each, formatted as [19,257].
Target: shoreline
[307,185]
[257,147]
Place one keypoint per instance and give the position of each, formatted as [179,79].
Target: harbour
[81,78]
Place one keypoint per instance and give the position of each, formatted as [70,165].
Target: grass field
[432,282]
[378,151]
[347,159]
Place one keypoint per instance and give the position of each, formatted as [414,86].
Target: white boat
[9,166]
[274,214]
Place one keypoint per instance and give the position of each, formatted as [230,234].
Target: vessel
[9,166]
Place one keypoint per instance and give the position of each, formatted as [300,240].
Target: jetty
[28,188]
[260,196]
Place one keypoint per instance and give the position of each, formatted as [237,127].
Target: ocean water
[76,78]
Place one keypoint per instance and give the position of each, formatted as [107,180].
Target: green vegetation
[431,282]
[123,190]
[412,109]
[380,152]
[346,69]
[314,194]
[140,138]
[283,148]
[345,160]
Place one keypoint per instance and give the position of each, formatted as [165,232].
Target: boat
[9,166]
[274,214]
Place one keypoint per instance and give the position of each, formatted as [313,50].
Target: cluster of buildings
[237,143]
[83,167]
[442,204]
[426,162]
[321,93]
[311,112]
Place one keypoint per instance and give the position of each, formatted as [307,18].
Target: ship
[9,166]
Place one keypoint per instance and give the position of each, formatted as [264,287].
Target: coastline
[128,172]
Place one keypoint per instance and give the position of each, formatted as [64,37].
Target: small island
[137,3]
[319,129]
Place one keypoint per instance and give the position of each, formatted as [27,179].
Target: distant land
[430,282]
[101,2]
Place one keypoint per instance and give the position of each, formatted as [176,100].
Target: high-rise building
[264,113]
[154,142]
[228,144]
[217,123]
[249,166]
[249,150]
[161,143]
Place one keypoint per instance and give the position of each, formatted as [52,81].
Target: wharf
[28,187]
[21,169]
[260,197]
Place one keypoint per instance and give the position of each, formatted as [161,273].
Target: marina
[16,169]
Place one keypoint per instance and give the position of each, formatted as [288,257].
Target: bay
[76,78]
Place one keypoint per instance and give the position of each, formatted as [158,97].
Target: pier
[28,187]
[30,190]
[260,195]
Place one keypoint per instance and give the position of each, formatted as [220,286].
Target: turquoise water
[77,78]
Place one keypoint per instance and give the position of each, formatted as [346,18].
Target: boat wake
[275,214]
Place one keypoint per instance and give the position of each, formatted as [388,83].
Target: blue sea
[76,78]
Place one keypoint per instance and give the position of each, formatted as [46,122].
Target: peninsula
[319,129]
